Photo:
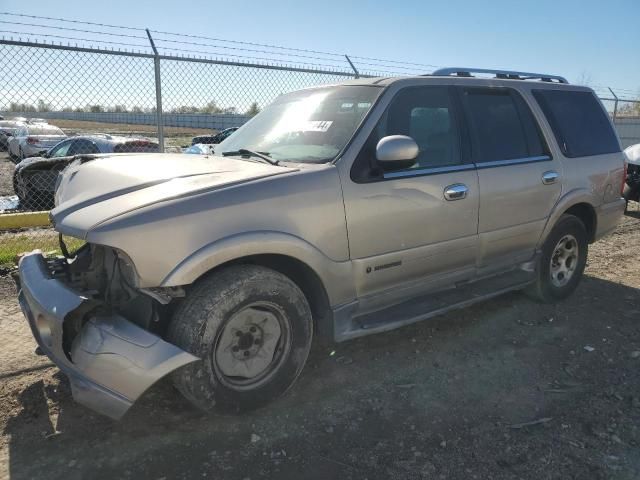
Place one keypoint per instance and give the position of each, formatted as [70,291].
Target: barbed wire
[277,53]
[53,27]
[57,19]
[48,35]
[202,37]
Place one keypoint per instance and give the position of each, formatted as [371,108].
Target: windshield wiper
[250,153]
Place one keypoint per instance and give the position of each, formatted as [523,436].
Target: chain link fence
[60,101]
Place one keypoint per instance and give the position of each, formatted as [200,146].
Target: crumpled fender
[123,357]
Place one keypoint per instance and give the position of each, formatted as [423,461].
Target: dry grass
[14,243]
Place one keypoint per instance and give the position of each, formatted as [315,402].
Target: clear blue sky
[596,40]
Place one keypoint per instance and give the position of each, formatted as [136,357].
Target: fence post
[615,104]
[353,67]
[159,117]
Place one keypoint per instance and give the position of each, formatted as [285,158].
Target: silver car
[34,139]
[8,129]
[338,211]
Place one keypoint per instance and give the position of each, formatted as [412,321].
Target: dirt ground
[506,389]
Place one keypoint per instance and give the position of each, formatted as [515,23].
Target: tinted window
[139,146]
[426,115]
[82,147]
[579,122]
[502,126]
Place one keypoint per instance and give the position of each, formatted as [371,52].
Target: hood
[122,183]
[40,162]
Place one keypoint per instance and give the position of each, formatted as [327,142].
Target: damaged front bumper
[111,361]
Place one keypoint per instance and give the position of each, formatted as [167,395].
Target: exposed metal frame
[502,74]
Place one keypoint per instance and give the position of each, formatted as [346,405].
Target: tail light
[32,140]
[624,178]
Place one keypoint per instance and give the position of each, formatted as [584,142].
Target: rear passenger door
[518,178]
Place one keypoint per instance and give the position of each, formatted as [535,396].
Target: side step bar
[431,305]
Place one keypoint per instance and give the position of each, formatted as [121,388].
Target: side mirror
[397,152]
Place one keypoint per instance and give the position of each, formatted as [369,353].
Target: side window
[501,125]
[578,121]
[425,114]
[61,149]
[82,147]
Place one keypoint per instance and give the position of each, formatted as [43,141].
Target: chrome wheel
[252,345]
[564,261]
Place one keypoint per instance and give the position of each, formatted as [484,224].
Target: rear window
[579,123]
[502,126]
[138,146]
[45,130]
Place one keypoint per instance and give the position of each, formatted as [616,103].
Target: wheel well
[302,275]
[587,216]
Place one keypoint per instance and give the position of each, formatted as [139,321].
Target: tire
[551,283]
[215,323]
[630,193]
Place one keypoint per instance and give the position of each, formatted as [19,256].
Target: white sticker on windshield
[316,125]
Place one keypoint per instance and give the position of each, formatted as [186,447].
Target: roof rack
[502,74]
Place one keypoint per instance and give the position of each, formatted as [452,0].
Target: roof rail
[502,74]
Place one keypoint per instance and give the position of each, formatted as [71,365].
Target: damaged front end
[89,318]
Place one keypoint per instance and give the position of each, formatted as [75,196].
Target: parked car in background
[34,140]
[215,138]
[37,120]
[1,117]
[8,129]
[200,149]
[631,190]
[34,178]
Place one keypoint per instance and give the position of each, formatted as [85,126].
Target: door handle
[457,191]
[550,177]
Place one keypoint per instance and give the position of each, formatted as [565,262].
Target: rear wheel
[251,327]
[562,263]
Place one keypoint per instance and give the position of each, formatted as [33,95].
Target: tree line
[210,108]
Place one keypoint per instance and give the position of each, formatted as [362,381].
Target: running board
[430,305]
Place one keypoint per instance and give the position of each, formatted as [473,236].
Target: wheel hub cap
[564,261]
[248,343]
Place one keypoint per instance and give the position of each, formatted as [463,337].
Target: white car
[34,140]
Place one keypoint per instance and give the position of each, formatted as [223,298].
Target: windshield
[305,126]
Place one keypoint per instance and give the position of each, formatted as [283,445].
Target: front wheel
[251,327]
[562,263]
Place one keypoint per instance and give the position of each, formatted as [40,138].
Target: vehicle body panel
[112,362]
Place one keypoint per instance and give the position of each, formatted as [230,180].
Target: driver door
[414,230]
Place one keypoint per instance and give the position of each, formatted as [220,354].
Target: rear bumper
[111,361]
[608,216]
